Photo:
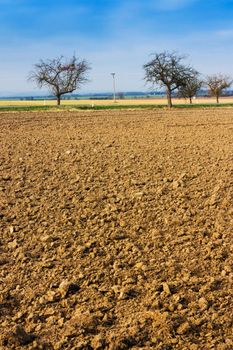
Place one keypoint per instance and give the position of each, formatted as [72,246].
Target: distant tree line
[165,69]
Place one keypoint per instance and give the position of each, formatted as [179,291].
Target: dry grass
[156,101]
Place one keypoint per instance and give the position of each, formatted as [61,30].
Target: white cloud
[225,33]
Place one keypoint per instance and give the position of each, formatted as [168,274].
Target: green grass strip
[109,107]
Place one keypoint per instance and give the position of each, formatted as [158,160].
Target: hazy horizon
[39,93]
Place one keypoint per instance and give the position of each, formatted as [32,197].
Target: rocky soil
[116,230]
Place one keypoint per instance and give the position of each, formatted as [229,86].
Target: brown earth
[116,230]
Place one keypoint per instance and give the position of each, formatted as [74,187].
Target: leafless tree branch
[217,83]
[191,87]
[166,69]
[61,76]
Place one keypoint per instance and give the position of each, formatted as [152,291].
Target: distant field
[156,101]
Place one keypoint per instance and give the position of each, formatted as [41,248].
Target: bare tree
[190,88]
[217,83]
[167,70]
[60,75]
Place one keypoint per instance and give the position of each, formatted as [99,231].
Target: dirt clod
[183,328]
[19,337]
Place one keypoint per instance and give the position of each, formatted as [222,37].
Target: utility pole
[114,87]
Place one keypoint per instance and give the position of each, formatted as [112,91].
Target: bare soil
[116,230]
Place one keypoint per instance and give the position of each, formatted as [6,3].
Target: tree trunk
[217,98]
[58,100]
[190,100]
[169,97]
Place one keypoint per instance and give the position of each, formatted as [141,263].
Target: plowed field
[116,230]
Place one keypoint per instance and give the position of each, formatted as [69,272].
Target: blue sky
[114,36]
